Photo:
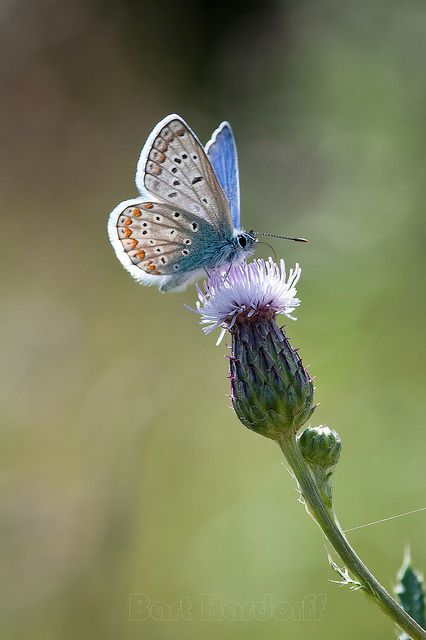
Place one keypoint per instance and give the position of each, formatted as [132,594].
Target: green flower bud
[272,393]
[320,446]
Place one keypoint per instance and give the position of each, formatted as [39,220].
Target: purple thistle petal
[248,288]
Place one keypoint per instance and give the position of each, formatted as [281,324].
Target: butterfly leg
[225,277]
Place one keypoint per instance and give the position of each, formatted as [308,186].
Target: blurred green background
[124,470]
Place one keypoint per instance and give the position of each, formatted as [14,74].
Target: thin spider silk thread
[399,515]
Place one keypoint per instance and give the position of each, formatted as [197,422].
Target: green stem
[328,522]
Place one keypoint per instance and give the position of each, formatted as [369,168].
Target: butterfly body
[186,219]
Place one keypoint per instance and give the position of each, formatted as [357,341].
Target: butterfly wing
[222,153]
[159,243]
[174,169]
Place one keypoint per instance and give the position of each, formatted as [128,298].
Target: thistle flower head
[256,288]
[271,391]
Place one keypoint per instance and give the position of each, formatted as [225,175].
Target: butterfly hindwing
[155,239]
[222,153]
[174,168]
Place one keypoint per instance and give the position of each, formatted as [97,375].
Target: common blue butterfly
[187,217]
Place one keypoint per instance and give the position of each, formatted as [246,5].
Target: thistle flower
[272,393]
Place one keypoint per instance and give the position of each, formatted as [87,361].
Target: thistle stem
[329,524]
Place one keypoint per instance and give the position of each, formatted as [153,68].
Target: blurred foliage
[124,471]
[410,592]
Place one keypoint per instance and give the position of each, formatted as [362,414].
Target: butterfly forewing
[163,240]
[221,150]
[175,169]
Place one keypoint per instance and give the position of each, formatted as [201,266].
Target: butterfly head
[244,242]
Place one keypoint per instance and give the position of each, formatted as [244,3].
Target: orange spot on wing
[156,170]
[151,267]
[127,232]
[134,243]
[128,222]
[141,254]
[137,213]
[147,205]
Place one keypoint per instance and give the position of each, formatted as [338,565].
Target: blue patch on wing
[222,153]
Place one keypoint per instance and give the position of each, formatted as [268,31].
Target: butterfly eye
[242,241]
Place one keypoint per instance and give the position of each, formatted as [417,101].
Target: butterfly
[186,220]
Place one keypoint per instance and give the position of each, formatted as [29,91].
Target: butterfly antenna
[274,235]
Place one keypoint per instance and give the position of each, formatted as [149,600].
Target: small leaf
[346,580]
[410,591]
